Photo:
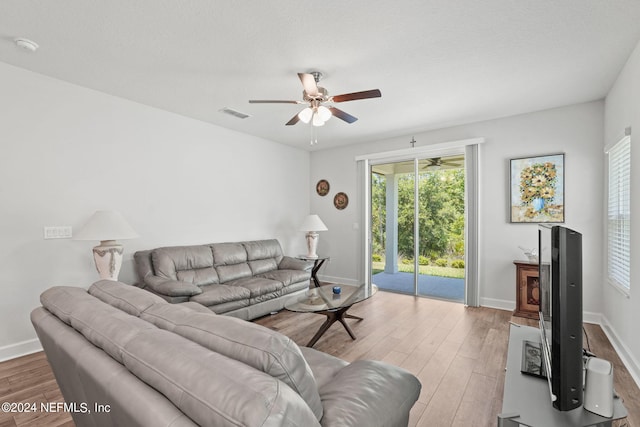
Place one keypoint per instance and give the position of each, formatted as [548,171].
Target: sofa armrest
[171,288]
[369,393]
[289,263]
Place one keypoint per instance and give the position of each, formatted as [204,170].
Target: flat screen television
[560,275]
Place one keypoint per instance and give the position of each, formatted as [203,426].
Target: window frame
[619,181]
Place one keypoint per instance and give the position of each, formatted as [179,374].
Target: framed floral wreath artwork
[537,189]
[322,187]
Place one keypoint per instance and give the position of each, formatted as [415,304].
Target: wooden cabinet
[527,290]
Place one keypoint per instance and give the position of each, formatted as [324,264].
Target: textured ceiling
[437,62]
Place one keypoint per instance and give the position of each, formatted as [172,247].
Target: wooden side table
[527,290]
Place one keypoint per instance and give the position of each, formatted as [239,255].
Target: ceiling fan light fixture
[317,120]
[305,115]
[324,113]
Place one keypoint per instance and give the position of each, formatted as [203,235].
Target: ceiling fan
[315,96]
[447,162]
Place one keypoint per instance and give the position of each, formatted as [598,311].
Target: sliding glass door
[417,223]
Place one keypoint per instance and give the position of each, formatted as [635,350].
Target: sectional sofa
[241,279]
[125,357]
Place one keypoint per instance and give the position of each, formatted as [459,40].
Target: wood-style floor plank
[29,379]
[458,353]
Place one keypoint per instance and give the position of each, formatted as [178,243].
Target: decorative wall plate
[340,201]
[322,187]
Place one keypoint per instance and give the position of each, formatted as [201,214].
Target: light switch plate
[58,232]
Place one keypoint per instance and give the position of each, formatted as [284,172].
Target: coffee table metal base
[334,316]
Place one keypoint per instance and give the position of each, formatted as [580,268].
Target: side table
[527,289]
[317,263]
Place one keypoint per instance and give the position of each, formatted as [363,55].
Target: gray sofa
[125,357]
[240,279]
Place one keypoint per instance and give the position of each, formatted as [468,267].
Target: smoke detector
[26,44]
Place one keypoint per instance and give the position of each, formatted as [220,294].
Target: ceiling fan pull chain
[314,135]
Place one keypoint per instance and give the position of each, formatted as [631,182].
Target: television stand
[526,400]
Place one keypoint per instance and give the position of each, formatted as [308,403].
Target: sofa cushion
[170,287]
[167,316]
[263,265]
[190,377]
[199,277]
[226,307]
[218,294]
[254,345]
[258,286]
[228,253]
[86,314]
[127,298]
[263,249]
[194,306]
[193,264]
[287,277]
[295,287]
[61,300]
[228,273]
[369,393]
[324,366]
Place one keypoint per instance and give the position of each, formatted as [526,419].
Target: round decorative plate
[322,187]
[340,201]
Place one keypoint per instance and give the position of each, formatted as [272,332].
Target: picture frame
[537,189]
[322,187]
[341,201]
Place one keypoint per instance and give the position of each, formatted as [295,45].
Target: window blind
[619,213]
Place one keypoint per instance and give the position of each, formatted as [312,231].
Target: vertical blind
[619,213]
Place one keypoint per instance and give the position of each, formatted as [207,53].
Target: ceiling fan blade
[342,115]
[309,83]
[271,101]
[374,93]
[295,119]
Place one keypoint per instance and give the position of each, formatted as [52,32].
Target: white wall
[622,109]
[66,151]
[575,130]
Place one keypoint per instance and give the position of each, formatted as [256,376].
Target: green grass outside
[430,270]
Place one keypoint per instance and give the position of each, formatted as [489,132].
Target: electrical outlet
[58,232]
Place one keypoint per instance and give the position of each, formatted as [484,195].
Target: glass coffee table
[323,300]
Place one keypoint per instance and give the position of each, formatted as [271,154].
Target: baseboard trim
[499,304]
[23,348]
[589,317]
[624,354]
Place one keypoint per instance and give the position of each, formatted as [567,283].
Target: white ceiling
[437,62]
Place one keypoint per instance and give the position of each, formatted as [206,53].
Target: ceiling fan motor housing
[321,96]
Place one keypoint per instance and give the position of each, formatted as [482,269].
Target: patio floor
[434,286]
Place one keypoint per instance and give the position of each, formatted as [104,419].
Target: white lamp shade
[317,121]
[313,223]
[305,115]
[324,113]
[106,225]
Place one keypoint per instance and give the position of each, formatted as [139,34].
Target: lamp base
[312,244]
[108,258]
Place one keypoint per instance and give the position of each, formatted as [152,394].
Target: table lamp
[107,227]
[312,224]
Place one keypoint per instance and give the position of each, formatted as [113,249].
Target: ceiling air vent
[234,113]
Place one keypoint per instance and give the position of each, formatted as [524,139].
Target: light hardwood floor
[457,353]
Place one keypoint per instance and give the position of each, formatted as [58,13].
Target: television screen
[560,275]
